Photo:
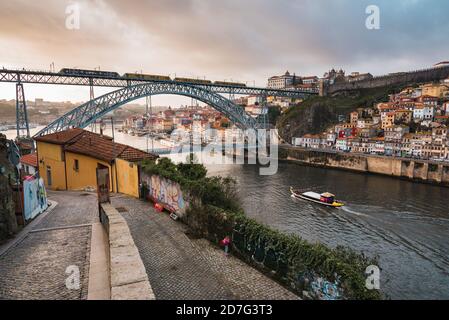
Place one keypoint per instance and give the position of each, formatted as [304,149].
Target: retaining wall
[129,280]
[411,169]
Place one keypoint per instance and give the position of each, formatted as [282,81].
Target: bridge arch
[88,112]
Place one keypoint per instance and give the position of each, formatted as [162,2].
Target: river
[405,224]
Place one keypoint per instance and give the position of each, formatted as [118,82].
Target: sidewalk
[181,268]
[35,263]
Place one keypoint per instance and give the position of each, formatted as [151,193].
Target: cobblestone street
[181,268]
[178,267]
[35,267]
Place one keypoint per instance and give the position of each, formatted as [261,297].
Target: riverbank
[417,170]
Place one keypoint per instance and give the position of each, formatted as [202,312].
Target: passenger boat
[326,199]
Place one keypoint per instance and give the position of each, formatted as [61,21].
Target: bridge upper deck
[49,77]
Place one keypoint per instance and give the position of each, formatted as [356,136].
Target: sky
[246,41]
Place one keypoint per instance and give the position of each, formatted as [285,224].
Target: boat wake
[348,210]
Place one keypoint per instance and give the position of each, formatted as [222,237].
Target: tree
[192,171]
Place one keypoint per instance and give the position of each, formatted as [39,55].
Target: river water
[405,224]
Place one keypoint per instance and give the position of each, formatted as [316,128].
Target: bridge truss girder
[44,77]
[87,113]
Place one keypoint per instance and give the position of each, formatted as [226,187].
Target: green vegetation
[216,191]
[215,212]
[273,114]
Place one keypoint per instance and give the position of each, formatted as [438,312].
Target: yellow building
[437,90]
[68,160]
[387,119]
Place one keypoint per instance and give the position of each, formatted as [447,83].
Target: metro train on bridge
[143,77]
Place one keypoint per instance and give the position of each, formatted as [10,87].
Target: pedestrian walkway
[181,268]
[35,267]
[178,267]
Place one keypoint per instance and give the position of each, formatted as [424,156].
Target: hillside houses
[413,123]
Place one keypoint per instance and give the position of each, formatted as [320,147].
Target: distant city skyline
[246,41]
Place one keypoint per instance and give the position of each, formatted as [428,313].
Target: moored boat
[326,198]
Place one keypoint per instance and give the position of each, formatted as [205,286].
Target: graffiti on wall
[165,192]
[316,287]
[34,197]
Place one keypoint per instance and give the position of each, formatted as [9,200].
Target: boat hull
[335,204]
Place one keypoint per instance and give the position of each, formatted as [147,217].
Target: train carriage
[190,80]
[233,84]
[149,77]
[89,73]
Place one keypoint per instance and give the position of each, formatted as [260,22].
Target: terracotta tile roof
[61,137]
[95,145]
[29,159]
[132,155]
[103,148]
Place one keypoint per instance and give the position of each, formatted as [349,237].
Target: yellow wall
[51,155]
[434,90]
[86,176]
[127,178]
[62,166]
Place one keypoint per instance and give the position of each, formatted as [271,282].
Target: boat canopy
[328,195]
[312,195]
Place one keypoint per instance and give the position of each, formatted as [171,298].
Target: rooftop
[29,159]
[95,145]
[61,137]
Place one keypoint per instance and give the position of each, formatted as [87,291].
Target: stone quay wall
[410,169]
[129,280]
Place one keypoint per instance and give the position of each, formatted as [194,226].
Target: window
[76,165]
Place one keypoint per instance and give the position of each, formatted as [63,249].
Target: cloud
[243,40]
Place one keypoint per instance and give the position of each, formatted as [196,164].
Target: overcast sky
[242,40]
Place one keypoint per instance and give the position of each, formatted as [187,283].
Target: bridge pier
[21,112]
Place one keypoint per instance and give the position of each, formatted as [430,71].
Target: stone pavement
[181,268]
[177,266]
[35,267]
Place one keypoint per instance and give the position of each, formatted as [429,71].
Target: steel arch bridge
[87,113]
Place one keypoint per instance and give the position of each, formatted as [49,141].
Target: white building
[342,144]
[331,137]
[313,141]
[310,80]
[255,100]
[281,82]
[364,123]
[425,112]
